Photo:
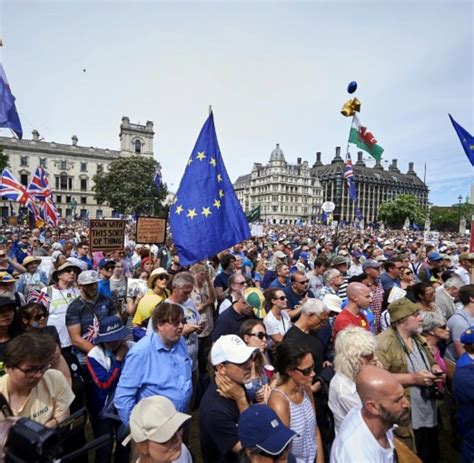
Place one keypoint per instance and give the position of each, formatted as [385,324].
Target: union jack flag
[38,297]
[349,176]
[39,186]
[49,212]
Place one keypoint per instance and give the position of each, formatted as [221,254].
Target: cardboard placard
[257,230]
[151,230]
[106,234]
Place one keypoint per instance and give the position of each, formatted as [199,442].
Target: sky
[274,72]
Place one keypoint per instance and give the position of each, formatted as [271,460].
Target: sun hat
[230,348]
[259,426]
[88,277]
[339,260]
[154,275]
[333,303]
[30,260]
[401,308]
[111,329]
[156,419]
[61,268]
[6,278]
[280,255]
[466,256]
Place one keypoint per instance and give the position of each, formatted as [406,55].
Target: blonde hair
[351,345]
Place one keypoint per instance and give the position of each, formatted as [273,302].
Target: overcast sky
[275,72]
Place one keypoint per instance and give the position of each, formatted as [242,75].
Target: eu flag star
[217,203]
[221,193]
[213,162]
[179,209]
[206,211]
[219,178]
[201,155]
[191,213]
[189,161]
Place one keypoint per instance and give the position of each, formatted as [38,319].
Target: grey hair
[328,275]
[453,282]
[183,278]
[313,306]
[432,320]
[352,343]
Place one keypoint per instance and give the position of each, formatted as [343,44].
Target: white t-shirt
[275,326]
[343,398]
[185,456]
[355,443]
[60,300]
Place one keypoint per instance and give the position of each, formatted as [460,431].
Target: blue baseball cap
[259,426]
[434,256]
[468,336]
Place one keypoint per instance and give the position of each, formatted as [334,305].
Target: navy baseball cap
[111,329]
[468,336]
[434,256]
[106,263]
[259,426]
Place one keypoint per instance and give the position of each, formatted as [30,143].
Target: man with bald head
[358,297]
[366,433]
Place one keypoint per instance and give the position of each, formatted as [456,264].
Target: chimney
[393,167]
[360,159]
[74,140]
[378,165]
[298,160]
[318,160]
[35,134]
[337,158]
[411,171]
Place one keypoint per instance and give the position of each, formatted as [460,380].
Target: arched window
[138,146]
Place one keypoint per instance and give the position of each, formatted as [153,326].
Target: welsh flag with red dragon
[364,139]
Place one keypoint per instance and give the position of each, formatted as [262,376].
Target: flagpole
[210,109]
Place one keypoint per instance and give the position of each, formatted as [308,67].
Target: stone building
[285,192]
[70,168]
[374,185]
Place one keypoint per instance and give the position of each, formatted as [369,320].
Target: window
[70,183]
[23,161]
[57,182]
[43,162]
[63,165]
[58,198]
[138,146]
[68,199]
[83,184]
[24,179]
[83,166]
[63,182]
[99,214]
[83,199]
[60,210]
[83,213]
[100,168]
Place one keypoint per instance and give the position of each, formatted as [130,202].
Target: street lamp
[459,209]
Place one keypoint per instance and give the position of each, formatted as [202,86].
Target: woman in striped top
[293,402]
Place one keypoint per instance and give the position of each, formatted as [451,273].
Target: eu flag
[206,216]
[466,139]
[8,114]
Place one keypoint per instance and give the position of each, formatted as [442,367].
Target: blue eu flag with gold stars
[206,216]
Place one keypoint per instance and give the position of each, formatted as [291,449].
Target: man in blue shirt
[158,364]
[106,268]
[467,339]
[391,276]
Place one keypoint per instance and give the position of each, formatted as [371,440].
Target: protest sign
[106,234]
[151,230]
[431,237]
[257,230]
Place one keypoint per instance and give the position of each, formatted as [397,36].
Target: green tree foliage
[394,213]
[447,218]
[127,187]
[4,161]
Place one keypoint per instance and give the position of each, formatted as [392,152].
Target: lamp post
[459,209]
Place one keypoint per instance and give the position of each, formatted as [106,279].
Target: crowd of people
[302,345]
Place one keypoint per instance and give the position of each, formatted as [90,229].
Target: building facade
[71,168]
[286,193]
[374,185]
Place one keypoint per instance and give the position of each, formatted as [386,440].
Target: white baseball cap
[333,302]
[156,419]
[230,348]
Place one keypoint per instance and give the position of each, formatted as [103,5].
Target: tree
[127,187]
[394,213]
[4,160]
[447,218]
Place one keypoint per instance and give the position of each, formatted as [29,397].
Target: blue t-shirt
[104,288]
[464,360]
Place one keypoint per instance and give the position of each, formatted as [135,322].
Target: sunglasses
[281,298]
[241,283]
[162,277]
[443,327]
[39,317]
[306,371]
[303,282]
[260,335]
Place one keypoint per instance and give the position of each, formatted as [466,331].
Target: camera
[431,393]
